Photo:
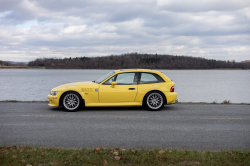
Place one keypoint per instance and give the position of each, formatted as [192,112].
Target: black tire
[71,101]
[154,101]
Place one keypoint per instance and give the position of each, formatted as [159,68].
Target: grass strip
[46,101]
[17,101]
[39,156]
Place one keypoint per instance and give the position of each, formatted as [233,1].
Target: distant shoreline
[27,67]
[20,67]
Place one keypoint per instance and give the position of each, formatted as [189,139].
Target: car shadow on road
[86,109]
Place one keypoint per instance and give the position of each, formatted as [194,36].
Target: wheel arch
[60,100]
[164,96]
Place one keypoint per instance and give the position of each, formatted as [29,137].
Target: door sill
[113,104]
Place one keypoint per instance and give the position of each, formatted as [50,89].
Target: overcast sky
[213,29]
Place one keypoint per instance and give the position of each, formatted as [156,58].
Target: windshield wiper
[93,81]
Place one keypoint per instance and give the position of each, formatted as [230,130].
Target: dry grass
[35,156]
[226,102]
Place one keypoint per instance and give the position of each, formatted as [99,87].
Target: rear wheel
[154,101]
[71,101]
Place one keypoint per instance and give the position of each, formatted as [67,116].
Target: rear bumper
[171,97]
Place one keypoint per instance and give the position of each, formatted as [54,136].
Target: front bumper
[53,100]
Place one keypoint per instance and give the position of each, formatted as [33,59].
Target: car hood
[79,83]
[74,85]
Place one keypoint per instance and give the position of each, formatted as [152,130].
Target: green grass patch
[37,156]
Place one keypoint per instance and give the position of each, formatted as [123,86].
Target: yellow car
[127,87]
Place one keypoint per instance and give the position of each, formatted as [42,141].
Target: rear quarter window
[147,78]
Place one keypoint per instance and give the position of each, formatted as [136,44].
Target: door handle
[131,88]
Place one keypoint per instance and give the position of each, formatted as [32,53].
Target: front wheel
[71,101]
[154,101]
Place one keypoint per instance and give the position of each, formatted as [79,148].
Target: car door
[124,91]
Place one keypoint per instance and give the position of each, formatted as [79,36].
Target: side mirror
[113,84]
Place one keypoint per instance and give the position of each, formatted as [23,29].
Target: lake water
[191,85]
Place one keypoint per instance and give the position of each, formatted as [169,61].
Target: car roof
[136,70]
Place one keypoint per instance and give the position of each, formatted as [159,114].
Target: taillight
[172,89]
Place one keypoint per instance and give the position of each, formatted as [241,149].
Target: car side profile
[127,87]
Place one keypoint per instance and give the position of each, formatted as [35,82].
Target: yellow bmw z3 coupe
[126,87]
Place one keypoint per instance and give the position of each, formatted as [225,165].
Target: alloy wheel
[71,101]
[154,101]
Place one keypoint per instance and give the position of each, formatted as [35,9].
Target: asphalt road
[181,126]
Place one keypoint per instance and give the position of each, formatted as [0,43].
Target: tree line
[9,63]
[136,60]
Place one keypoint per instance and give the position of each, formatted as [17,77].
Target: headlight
[53,93]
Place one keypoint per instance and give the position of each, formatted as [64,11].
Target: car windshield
[104,77]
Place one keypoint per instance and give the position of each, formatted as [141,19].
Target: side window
[147,78]
[125,79]
[109,81]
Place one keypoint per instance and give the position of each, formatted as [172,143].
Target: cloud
[31,29]
[202,5]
